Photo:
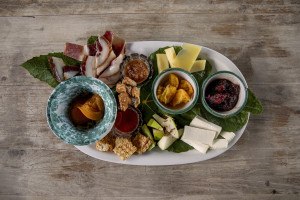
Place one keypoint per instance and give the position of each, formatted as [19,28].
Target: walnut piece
[120,87]
[124,100]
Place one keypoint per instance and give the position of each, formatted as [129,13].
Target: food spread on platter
[222,94]
[86,110]
[174,91]
[140,125]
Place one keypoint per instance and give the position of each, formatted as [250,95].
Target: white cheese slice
[162,62]
[227,135]
[171,55]
[197,145]
[219,144]
[200,122]
[199,65]
[196,134]
[187,56]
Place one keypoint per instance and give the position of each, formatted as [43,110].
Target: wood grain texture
[261,37]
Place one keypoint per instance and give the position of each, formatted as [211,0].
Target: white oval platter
[156,156]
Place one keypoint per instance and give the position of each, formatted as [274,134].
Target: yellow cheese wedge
[187,56]
[171,55]
[199,65]
[162,62]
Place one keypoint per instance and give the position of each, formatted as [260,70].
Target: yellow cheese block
[171,55]
[199,65]
[187,56]
[162,62]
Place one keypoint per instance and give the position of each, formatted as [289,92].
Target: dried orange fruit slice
[93,108]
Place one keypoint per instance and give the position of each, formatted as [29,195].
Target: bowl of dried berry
[224,94]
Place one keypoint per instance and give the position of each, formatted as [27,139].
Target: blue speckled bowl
[57,110]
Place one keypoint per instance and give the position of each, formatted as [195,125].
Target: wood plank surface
[261,37]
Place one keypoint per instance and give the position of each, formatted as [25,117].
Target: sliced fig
[56,66]
[114,66]
[70,71]
[88,67]
[74,51]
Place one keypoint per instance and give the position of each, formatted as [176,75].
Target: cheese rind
[219,144]
[227,135]
[196,134]
[171,55]
[187,56]
[199,65]
[162,62]
[197,145]
[200,122]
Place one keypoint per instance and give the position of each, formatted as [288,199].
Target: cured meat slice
[102,56]
[111,80]
[56,66]
[106,64]
[70,71]
[75,51]
[88,66]
[118,44]
[114,66]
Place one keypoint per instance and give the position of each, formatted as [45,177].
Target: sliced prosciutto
[56,66]
[70,71]
[114,67]
[88,66]
[111,80]
[118,44]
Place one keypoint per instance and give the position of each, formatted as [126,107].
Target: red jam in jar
[222,95]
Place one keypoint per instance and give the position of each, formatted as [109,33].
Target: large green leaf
[39,67]
[253,105]
[179,146]
[231,124]
[92,39]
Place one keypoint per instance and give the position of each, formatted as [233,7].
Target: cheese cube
[171,55]
[227,135]
[162,62]
[187,56]
[200,122]
[199,65]
[219,144]
[197,134]
[197,145]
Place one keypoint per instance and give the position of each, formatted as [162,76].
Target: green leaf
[231,124]
[253,105]
[92,39]
[39,67]
[179,146]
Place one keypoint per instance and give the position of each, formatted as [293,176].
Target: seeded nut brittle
[142,143]
[124,148]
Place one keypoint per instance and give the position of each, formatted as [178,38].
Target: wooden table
[262,39]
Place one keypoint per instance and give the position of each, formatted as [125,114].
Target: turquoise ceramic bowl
[183,74]
[243,95]
[58,116]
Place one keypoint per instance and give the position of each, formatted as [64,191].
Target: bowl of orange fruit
[81,110]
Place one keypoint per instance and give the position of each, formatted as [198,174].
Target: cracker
[124,148]
[106,144]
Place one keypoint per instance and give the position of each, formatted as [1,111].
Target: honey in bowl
[86,110]
[137,70]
